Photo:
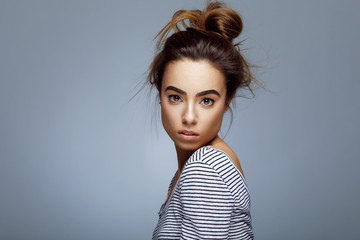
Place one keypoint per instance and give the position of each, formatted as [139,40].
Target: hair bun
[222,20]
[214,18]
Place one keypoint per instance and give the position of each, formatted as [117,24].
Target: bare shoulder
[221,145]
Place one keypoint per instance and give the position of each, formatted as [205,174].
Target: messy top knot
[204,35]
[224,21]
[215,18]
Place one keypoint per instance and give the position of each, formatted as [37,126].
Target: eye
[174,98]
[207,102]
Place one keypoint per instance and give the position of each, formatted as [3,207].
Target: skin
[193,103]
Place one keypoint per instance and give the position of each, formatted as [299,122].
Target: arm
[206,202]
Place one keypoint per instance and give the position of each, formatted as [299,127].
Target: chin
[189,146]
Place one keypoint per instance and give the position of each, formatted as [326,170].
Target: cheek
[164,118]
[214,120]
[167,119]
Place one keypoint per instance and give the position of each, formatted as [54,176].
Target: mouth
[188,135]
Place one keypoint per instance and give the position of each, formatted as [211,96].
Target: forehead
[193,76]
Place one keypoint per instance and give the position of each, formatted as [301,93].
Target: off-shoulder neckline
[232,162]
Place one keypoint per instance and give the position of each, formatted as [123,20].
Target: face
[193,103]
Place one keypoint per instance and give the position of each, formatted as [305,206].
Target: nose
[190,115]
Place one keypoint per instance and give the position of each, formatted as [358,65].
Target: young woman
[197,72]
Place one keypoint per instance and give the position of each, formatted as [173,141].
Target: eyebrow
[212,91]
[175,89]
[200,94]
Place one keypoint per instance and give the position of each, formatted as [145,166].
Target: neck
[182,156]
[215,142]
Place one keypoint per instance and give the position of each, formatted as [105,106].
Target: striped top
[209,201]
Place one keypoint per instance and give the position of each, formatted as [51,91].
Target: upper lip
[188,132]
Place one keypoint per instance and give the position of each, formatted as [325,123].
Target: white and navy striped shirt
[209,201]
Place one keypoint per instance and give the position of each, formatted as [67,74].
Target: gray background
[79,161]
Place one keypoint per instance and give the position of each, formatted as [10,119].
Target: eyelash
[212,101]
[176,98]
[172,98]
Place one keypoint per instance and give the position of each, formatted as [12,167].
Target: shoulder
[209,164]
[209,156]
[213,158]
[222,146]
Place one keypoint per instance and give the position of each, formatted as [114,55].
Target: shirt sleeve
[206,202]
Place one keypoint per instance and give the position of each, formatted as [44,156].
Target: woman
[197,72]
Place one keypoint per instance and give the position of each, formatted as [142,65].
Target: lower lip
[188,137]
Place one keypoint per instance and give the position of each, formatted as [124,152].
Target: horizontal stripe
[209,201]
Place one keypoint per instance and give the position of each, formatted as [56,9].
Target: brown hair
[208,36]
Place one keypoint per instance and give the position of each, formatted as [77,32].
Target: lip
[188,135]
